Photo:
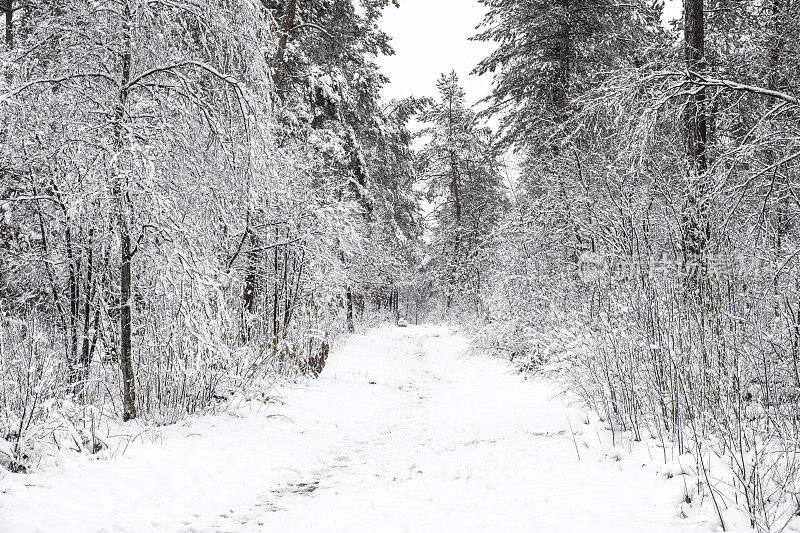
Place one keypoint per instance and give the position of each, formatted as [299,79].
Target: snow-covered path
[401,433]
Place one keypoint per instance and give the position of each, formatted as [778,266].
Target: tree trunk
[561,85]
[275,267]
[285,287]
[287,23]
[126,319]
[455,188]
[250,278]
[126,358]
[776,82]
[695,213]
[8,7]
[74,305]
[85,359]
[350,326]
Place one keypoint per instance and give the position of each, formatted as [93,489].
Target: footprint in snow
[302,488]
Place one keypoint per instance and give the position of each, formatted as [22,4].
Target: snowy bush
[179,222]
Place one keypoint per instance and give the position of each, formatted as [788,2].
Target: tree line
[650,244]
[194,197]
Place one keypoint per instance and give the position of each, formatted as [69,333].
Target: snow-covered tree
[177,216]
[464,183]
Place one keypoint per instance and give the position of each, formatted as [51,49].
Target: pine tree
[549,52]
[463,180]
[328,90]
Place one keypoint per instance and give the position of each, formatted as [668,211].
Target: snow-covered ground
[401,433]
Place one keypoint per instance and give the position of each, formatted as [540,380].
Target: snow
[402,432]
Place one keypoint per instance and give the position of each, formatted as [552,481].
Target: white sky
[431,37]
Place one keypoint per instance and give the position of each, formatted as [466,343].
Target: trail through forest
[402,432]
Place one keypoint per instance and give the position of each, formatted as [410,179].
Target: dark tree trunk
[275,267]
[455,189]
[87,306]
[350,326]
[74,305]
[250,278]
[298,270]
[287,23]
[285,287]
[776,82]
[562,80]
[126,355]
[695,215]
[8,7]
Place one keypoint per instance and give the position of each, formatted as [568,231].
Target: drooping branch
[55,81]
[698,79]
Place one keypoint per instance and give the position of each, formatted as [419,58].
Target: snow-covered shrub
[32,375]
[703,382]
[37,420]
[710,375]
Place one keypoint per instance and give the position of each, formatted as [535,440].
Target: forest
[199,199]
